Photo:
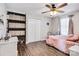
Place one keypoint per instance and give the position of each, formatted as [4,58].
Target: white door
[33,30]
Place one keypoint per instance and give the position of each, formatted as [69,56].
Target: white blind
[64,25]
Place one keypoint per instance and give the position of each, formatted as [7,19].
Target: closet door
[17,25]
[37,30]
[33,30]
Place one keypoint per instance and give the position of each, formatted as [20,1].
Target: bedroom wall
[44,29]
[3,17]
[76,22]
[55,25]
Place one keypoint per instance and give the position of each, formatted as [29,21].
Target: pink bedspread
[60,42]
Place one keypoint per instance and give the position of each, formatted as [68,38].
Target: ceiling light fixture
[53,13]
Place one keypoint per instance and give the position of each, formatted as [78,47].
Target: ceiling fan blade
[59,11]
[49,6]
[63,5]
[45,12]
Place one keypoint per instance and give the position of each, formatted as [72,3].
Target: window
[64,25]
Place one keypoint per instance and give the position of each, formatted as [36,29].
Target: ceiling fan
[54,8]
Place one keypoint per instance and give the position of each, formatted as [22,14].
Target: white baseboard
[34,41]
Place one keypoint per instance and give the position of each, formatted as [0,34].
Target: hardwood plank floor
[38,49]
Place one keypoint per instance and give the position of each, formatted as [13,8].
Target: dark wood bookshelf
[15,21]
[16,29]
[20,37]
[9,12]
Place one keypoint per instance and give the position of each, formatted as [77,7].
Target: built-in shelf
[15,21]
[15,13]
[16,29]
[19,36]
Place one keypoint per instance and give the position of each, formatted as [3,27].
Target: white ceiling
[37,8]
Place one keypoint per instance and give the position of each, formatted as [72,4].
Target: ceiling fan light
[53,13]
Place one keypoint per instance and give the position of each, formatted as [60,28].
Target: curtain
[71,31]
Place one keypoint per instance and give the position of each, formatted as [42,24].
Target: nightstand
[74,50]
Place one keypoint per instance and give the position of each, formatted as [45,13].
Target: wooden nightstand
[74,50]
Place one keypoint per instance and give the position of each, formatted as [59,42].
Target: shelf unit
[17,25]
[15,21]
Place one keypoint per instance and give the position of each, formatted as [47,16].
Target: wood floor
[38,49]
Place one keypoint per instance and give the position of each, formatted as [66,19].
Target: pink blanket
[60,42]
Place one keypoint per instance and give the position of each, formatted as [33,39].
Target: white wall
[43,27]
[76,22]
[55,25]
[3,12]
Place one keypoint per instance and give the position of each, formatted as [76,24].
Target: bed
[62,42]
